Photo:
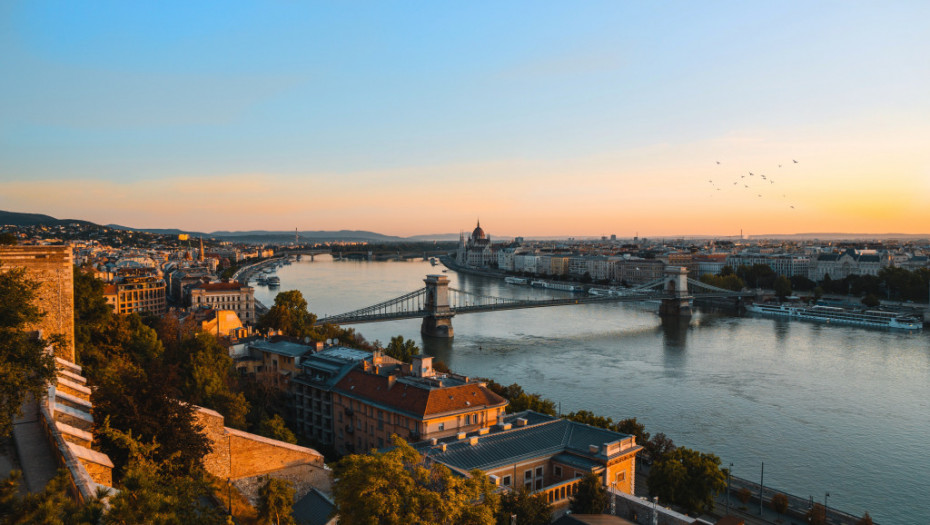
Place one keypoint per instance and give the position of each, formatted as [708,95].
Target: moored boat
[841,316]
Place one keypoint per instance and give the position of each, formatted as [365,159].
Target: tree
[591,496]
[816,515]
[397,487]
[780,503]
[782,287]
[530,509]
[275,428]
[659,446]
[818,293]
[871,301]
[25,366]
[151,491]
[7,239]
[275,502]
[289,315]
[865,520]
[92,314]
[401,350]
[688,478]
[54,505]
[634,428]
[206,376]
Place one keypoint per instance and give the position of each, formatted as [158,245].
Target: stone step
[97,464]
[74,417]
[75,389]
[75,435]
[71,376]
[66,399]
[64,364]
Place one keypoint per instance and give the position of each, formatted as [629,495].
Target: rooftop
[285,348]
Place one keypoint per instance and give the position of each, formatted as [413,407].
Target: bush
[780,503]
[744,494]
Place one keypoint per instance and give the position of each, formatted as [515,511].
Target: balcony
[560,492]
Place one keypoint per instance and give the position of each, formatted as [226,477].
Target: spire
[200,258]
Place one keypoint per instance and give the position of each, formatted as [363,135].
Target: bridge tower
[438,323]
[676,283]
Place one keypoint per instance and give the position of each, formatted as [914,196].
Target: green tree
[817,515]
[289,315]
[54,505]
[151,490]
[634,428]
[871,301]
[397,488]
[780,503]
[782,287]
[275,428]
[92,315]
[401,350]
[688,478]
[530,509]
[818,293]
[728,282]
[275,502]
[7,239]
[659,446]
[591,496]
[207,375]
[25,366]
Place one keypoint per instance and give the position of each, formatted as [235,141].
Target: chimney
[521,422]
[460,436]
[593,449]
[473,441]
[377,357]
[423,366]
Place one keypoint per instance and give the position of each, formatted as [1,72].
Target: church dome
[478,233]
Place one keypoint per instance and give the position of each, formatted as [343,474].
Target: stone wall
[237,454]
[52,267]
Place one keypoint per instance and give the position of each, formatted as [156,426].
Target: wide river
[827,409]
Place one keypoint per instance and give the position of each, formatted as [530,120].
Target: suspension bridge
[436,303]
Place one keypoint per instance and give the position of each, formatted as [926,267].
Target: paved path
[35,455]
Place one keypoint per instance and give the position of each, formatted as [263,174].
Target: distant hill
[36,219]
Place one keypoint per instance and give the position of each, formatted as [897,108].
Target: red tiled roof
[423,401]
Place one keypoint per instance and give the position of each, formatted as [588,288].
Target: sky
[404,118]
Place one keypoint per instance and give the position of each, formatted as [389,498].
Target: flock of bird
[751,184]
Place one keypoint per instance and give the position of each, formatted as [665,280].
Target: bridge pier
[676,283]
[439,321]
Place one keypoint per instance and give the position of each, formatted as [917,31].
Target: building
[850,262]
[275,362]
[476,252]
[543,454]
[53,268]
[313,389]
[233,296]
[786,265]
[356,400]
[137,294]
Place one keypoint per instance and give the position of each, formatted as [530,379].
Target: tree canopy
[25,366]
[401,350]
[688,478]
[530,509]
[398,488]
[275,503]
[591,497]
[289,315]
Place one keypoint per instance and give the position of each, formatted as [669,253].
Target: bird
[792,207]
[760,194]
[718,162]
[750,174]
[746,185]
[742,176]
[779,165]
[735,183]
[791,160]
[771,181]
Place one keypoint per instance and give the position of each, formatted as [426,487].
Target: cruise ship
[515,280]
[841,316]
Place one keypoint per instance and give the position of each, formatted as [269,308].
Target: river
[827,409]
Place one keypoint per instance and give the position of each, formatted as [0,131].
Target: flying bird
[792,161]
[792,207]
[718,162]
[779,165]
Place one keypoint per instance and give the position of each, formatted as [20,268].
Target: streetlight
[825,496]
[613,498]
[655,511]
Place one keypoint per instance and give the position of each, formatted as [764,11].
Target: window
[505,481]
[621,476]
[557,470]
[539,482]
[528,486]
[528,474]
[441,426]
[539,472]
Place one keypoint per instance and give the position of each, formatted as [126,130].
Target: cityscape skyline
[541,120]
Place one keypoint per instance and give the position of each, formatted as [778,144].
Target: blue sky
[541,117]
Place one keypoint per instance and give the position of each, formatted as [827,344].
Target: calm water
[828,409]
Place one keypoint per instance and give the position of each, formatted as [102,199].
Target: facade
[543,454]
[785,265]
[53,268]
[475,252]
[356,400]
[276,363]
[233,296]
[638,271]
[849,262]
[137,294]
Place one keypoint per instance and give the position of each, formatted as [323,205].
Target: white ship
[841,316]
[516,280]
